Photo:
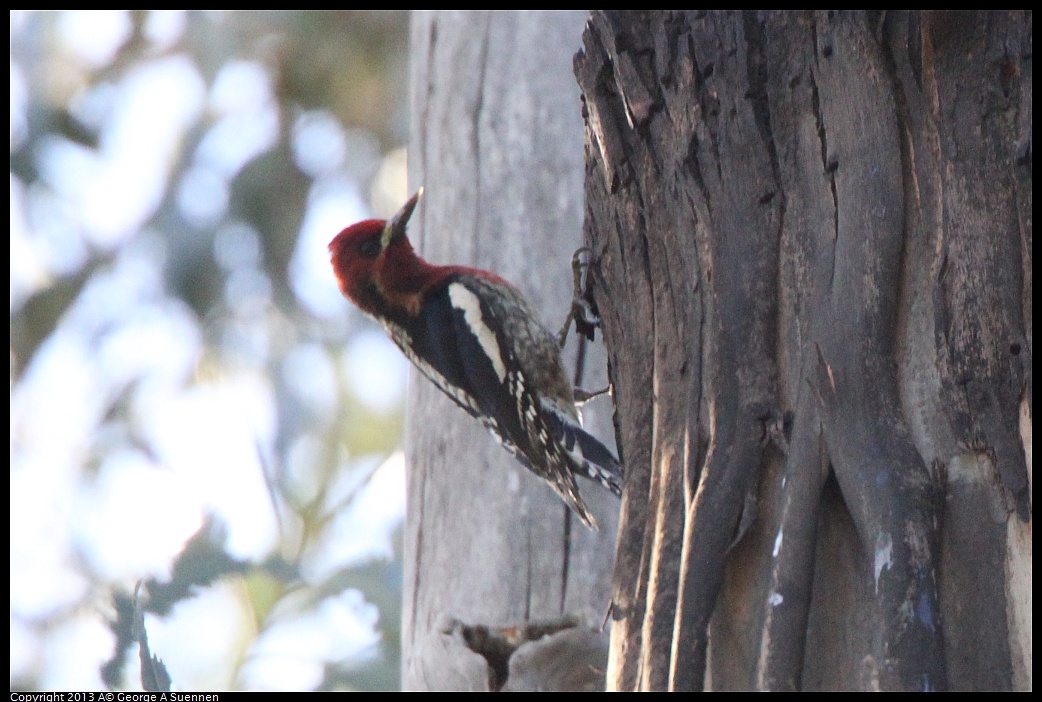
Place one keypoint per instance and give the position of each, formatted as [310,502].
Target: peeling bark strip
[814,240]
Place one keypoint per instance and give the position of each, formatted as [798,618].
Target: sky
[203,430]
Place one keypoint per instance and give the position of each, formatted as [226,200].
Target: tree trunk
[813,234]
[492,557]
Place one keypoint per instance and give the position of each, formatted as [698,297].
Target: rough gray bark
[814,242]
[496,140]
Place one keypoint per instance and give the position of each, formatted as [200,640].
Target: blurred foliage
[347,64]
[351,63]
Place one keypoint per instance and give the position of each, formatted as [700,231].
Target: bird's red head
[375,264]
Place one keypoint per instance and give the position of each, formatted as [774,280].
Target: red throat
[350,267]
[397,274]
[396,277]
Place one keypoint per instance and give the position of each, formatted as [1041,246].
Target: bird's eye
[370,248]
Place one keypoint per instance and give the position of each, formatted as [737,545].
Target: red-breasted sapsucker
[477,338]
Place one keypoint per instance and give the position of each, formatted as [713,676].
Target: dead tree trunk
[814,243]
[503,588]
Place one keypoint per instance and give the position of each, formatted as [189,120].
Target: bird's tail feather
[590,458]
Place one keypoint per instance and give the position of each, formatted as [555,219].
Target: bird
[477,338]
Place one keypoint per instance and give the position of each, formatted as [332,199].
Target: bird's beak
[395,228]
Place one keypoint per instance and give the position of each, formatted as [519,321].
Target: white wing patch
[469,304]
